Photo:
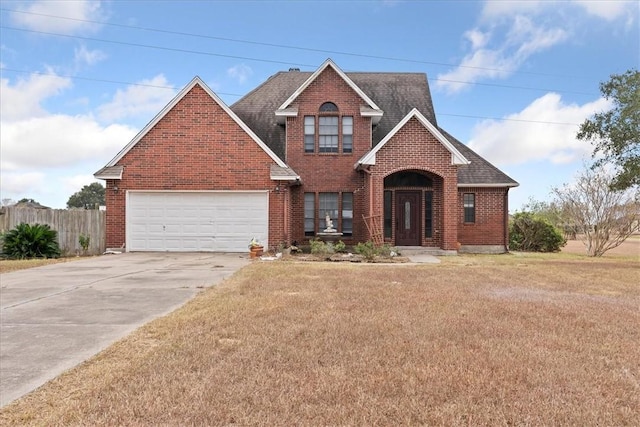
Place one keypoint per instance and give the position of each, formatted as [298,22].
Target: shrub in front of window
[318,247]
[31,241]
[529,233]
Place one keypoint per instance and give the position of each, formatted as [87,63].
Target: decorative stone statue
[329,224]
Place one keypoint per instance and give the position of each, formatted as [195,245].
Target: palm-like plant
[31,241]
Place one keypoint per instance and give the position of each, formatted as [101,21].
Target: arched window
[407,179]
[328,129]
[328,107]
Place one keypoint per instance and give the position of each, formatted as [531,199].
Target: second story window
[347,134]
[309,134]
[328,134]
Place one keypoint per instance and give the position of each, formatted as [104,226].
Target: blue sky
[511,79]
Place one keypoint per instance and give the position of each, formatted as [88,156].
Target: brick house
[363,148]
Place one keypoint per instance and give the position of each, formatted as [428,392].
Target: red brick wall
[195,146]
[327,172]
[414,148]
[489,227]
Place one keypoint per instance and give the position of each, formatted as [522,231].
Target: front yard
[476,340]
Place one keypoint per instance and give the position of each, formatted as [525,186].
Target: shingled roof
[396,94]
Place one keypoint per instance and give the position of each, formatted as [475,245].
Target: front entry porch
[414,211]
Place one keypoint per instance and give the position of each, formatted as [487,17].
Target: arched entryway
[413,208]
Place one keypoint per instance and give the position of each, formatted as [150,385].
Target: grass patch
[475,340]
[9,265]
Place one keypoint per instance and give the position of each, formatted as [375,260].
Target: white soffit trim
[196,81]
[352,85]
[456,156]
[113,172]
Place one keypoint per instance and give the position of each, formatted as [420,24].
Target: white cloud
[607,9]
[240,72]
[522,40]
[514,142]
[510,32]
[477,38]
[146,97]
[40,16]
[23,99]
[83,56]
[59,141]
[73,184]
[17,183]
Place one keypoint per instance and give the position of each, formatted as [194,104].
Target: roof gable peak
[456,156]
[329,63]
[196,81]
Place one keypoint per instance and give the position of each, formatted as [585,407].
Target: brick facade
[327,172]
[197,146]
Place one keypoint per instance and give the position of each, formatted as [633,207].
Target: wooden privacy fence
[69,224]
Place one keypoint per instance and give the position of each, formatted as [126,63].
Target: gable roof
[395,93]
[329,63]
[478,172]
[456,157]
[109,172]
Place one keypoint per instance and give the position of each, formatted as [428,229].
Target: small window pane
[328,134]
[328,204]
[428,214]
[387,214]
[347,214]
[469,204]
[309,214]
[407,215]
[309,134]
[347,134]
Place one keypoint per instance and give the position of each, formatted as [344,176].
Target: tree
[616,133]
[602,216]
[89,197]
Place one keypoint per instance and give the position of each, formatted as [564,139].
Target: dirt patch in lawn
[475,340]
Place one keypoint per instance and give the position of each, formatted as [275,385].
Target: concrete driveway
[54,317]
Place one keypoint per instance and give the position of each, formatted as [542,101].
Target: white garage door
[196,221]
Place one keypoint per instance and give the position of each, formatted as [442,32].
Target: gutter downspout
[506,220]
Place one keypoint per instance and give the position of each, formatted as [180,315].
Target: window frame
[469,208]
[309,207]
[341,211]
[347,134]
[328,134]
[428,214]
[309,137]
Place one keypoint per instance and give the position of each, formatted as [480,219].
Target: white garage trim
[195,221]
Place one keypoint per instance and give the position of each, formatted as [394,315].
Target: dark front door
[408,218]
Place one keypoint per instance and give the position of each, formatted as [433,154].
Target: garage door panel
[183,221]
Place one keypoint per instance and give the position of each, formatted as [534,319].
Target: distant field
[519,339]
[630,247]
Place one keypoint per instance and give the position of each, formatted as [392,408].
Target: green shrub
[366,249]
[530,233]
[31,241]
[84,242]
[340,246]
[318,247]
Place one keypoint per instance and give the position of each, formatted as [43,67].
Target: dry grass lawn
[8,265]
[476,340]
